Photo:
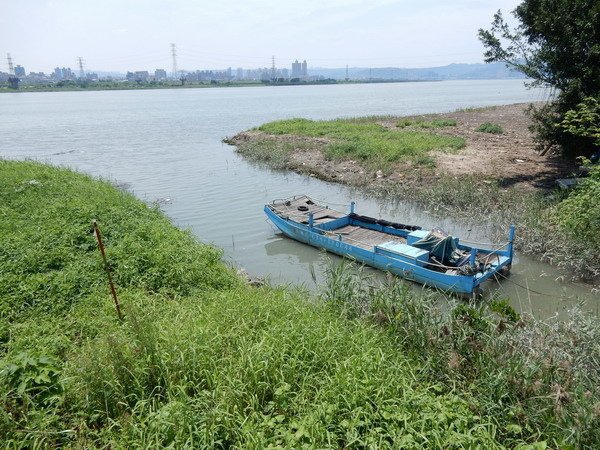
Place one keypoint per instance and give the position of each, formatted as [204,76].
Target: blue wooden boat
[429,257]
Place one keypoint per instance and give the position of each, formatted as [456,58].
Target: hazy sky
[125,35]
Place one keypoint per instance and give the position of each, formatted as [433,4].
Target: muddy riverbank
[510,157]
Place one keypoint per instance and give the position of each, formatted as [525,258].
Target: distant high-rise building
[304,69]
[67,73]
[19,71]
[160,74]
[63,74]
[239,73]
[296,69]
[141,76]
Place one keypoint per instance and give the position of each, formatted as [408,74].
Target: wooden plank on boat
[366,238]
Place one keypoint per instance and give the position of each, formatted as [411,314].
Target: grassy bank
[369,142]
[530,378]
[203,360]
[71,85]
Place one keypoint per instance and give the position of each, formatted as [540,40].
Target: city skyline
[120,35]
[299,73]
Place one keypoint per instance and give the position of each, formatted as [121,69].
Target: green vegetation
[488,127]
[274,154]
[534,380]
[367,141]
[123,85]
[420,123]
[579,214]
[557,44]
[584,120]
[72,85]
[201,360]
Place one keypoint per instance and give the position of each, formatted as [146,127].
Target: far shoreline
[145,87]
[148,87]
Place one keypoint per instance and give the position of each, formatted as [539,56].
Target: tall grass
[536,381]
[258,369]
[366,141]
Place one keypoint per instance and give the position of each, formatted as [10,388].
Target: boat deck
[289,209]
[360,237]
[365,238]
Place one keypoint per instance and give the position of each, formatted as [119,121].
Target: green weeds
[201,360]
[488,127]
[420,123]
[369,142]
[270,152]
[579,215]
[535,381]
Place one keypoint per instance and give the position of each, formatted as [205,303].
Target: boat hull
[460,284]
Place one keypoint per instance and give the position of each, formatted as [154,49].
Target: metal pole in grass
[107,268]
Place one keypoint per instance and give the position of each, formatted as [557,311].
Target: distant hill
[449,72]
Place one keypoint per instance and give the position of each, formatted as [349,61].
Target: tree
[556,44]
[13,82]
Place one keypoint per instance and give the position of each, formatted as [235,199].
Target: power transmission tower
[174,56]
[13,81]
[11,67]
[80,63]
[273,75]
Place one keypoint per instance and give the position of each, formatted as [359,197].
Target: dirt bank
[509,157]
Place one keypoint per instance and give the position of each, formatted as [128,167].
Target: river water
[165,145]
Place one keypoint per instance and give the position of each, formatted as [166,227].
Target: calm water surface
[166,145]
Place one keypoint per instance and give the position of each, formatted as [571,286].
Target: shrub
[489,127]
[420,123]
[439,123]
[579,214]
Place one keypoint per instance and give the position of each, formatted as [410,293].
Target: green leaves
[579,214]
[557,44]
[584,120]
[27,375]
